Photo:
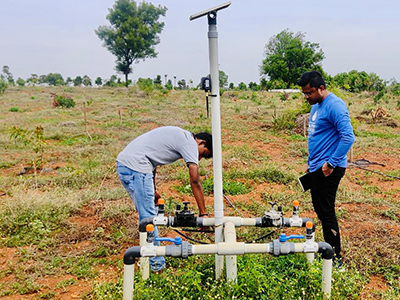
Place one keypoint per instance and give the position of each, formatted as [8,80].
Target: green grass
[259,277]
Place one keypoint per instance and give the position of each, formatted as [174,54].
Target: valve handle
[176,241]
[284,238]
[186,203]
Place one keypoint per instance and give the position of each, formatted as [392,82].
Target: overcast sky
[57,36]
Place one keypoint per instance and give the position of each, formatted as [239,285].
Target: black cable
[261,237]
[198,230]
[189,238]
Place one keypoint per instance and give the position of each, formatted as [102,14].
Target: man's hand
[206,228]
[326,170]
[156,197]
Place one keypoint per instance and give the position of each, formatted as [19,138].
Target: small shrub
[229,187]
[63,100]
[14,109]
[378,97]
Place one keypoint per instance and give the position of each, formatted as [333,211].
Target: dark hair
[313,78]
[205,136]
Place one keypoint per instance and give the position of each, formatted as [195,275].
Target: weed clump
[64,101]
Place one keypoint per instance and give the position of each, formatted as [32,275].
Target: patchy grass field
[65,220]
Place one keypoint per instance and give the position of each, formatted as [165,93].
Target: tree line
[352,81]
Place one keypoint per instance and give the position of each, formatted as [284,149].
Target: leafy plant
[229,187]
[63,100]
[33,138]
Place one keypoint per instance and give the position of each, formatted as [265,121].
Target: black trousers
[323,195]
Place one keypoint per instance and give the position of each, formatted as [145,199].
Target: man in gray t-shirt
[137,164]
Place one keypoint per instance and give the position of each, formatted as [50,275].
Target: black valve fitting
[184,218]
[131,254]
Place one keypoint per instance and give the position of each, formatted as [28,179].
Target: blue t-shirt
[330,134]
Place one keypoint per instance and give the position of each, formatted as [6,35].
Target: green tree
[3,84]
[223,80]
[254,86]
[42,79]
[86,81]
[8,75]
[98,81]
[78,81]
[242,86]
[133,33]
[157,80]
[169,85]
[20,81]
[288,56]
[54,79]
[112,81]
[34,79]
[182,84]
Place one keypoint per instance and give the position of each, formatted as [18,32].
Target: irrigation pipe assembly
[226,245]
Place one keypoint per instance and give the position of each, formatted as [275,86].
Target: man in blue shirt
[330,137]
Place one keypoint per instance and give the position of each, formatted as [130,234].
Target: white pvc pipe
[327,278]
[310,257]
[231,261]
[217,148]
[256,248]
[129,274]
[144,261]
[204,249]
[237,221]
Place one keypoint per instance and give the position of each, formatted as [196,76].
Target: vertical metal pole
[216,132]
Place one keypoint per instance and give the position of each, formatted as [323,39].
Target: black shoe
[338,263]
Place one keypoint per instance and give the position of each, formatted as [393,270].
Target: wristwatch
[329,165]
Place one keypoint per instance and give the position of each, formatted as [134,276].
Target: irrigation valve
[160,205]
[310,246]
[295,221]
[177,240]
[149,249]
[273,218]
[280,247]
[283,238]
[161,219]
[150,233]
[185,217]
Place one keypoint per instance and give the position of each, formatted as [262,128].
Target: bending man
[137,164]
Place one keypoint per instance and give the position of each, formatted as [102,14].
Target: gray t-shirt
[160,146]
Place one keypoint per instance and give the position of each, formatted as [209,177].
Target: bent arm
[347,138]
[196,188]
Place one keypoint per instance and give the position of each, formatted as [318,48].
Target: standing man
[330,136]
[137,163]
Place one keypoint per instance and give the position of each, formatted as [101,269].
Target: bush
[3,85]
[63,101]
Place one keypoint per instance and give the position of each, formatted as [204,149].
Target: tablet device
[305,182]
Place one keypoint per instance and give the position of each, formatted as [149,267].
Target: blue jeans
[140,188]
